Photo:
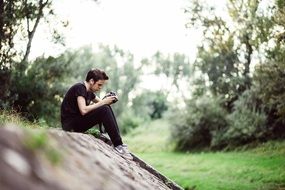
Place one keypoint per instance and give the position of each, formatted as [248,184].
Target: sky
[141,27]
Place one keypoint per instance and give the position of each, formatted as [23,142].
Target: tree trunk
[1,22]
[32,33]
[249,51]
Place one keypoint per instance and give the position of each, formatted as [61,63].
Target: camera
[111,94]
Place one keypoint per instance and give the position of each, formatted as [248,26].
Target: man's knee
[102,109]
[105,108]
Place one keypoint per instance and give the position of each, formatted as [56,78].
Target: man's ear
[92,81]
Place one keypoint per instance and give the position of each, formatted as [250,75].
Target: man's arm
[96,99]
[85,109]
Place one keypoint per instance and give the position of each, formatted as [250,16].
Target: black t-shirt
[69,106]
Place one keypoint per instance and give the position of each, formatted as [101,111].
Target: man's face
[98,85]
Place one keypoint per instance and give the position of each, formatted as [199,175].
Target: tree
[229,43]
[247,34]
[18,18]
[174,69]
[150,104]
[38,90]
[269,75]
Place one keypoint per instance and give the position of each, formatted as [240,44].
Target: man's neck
[87,85]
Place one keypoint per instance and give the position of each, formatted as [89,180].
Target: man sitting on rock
[81,109]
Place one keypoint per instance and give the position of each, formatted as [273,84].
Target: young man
[81,109]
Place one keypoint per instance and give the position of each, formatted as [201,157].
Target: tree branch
[31,34]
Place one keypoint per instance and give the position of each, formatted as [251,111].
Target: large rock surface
[33,159]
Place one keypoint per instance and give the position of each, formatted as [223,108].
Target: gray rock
[70,161]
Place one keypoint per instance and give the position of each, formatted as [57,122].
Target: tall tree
[173,68]
[269,77]
[33,12]
[8,25]
[229,42]
[18,18]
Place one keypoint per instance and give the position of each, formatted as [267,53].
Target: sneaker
[123,151]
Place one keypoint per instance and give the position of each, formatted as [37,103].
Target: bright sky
[139,26]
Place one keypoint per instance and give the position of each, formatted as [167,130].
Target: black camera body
[111,94]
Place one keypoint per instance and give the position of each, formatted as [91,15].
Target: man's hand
[85,109]
[109,100]
[116,98]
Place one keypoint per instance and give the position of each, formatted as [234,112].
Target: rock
[54,159]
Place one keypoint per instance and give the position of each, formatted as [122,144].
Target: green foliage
[223,72]
[269,79]
[19,21]
[150,104]
[158,106]
[145,107]
[250,34]
[247,123]
[229,43]
[128,121]
[172,67]
[36,90]
[280,3]
[269,76]
[10,21]
[205,124]
[15,118]
[36,141]
[200,126]
[93,131]
[39,141]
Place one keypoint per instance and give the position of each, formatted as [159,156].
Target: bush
[269,80]
[201,125]
[37,89]
[150,104]
[128,121]
[248,121]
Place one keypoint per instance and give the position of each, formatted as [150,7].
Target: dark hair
[96,75]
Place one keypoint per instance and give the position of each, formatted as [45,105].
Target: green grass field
[261,168]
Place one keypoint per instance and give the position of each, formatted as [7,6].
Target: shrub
[269,80]
[247,123]
[128,121]
[38,87]
[150,104]
[201,125]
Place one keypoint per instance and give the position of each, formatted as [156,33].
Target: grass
[153,137]
[35,140]
[261,168]
[232,170]
[14,118]
[38,140]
